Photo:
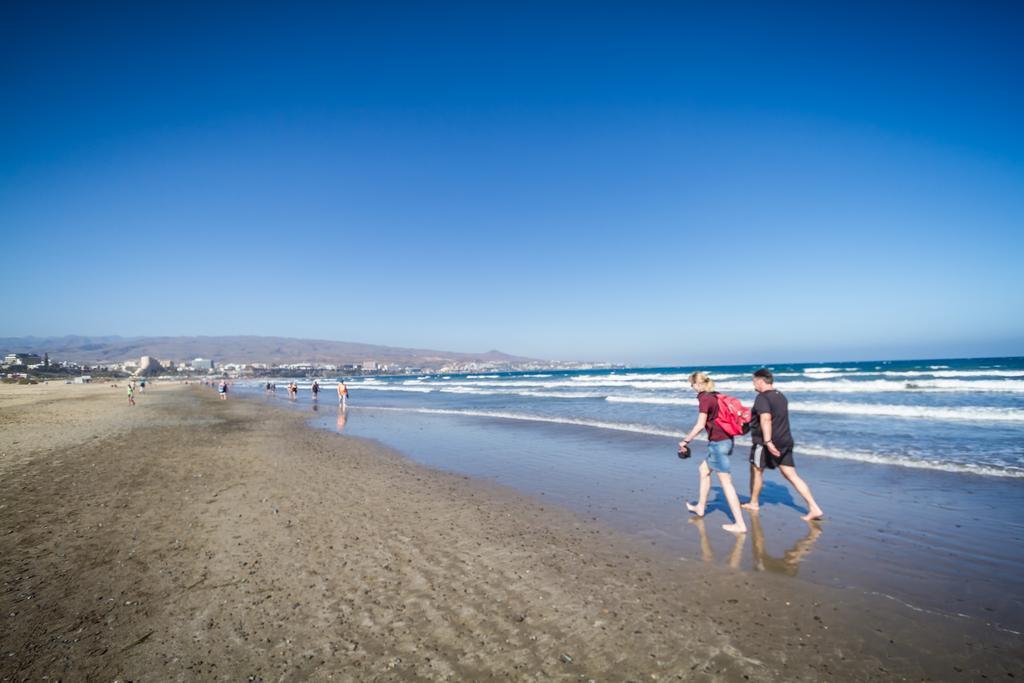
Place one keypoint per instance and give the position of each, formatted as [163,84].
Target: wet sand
[192,539]
[936,541]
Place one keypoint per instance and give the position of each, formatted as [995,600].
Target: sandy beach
[193,539]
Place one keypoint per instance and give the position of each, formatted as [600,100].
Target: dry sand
[192,539]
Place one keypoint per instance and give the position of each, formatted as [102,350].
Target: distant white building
[202,364]
[22,359]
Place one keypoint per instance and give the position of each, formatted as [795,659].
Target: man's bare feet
[753,507]
[736,528]
[695,509]
[814,514]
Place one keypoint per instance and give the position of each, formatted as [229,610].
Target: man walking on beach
[773,444]
[342,394]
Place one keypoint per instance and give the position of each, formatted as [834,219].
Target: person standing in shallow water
[773,444]
[720,447]
[342,394]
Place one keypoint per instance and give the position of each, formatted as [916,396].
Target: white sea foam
[812,450]
[482,376]
[840,385]
[883,385]
[952,373]
[649,377]
[968,413]
[632,377]
[596,424]
[909,461]
[971,414]
[517,392]
[558,394]
[653,400]
[389,387]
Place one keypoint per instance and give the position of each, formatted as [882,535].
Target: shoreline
[193,538]
[931,539]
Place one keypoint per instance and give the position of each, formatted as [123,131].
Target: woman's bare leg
[705,488]
[738,526]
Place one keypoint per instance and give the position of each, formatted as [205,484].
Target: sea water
[956,415]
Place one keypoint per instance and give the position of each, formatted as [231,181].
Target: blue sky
[644,183]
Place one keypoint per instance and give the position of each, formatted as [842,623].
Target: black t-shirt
[774,403]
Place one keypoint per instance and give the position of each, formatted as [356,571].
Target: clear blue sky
[646,183]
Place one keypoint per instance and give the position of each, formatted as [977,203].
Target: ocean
[958,415]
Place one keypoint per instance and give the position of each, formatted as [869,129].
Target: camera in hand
[684,452]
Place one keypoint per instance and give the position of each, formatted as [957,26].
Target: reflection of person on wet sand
[789,563]
[342,418]
[707,554]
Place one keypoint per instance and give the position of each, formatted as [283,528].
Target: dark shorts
[761,458]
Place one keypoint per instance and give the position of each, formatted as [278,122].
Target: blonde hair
[701,380]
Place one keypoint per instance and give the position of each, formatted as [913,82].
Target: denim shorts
[718,455]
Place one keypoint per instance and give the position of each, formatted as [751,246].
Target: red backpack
[732,417]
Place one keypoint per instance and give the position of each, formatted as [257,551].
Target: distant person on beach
[222,389]
[142,386]
[720,447]
[773,444]
[293,390]
[342,394]
[315,389]
[267,389]
[131,393]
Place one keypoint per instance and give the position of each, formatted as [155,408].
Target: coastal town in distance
[29,367]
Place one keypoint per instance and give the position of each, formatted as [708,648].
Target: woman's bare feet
[815,513]
[695,509]
[737,528]
[753,507]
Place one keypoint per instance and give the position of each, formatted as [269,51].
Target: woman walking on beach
[720,447]
[342,394]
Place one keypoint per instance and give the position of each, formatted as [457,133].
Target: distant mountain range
[246,349]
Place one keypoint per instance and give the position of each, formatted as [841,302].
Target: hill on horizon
[240,349]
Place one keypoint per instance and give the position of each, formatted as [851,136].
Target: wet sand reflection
[788,564]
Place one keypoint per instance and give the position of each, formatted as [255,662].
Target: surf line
[812,450]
